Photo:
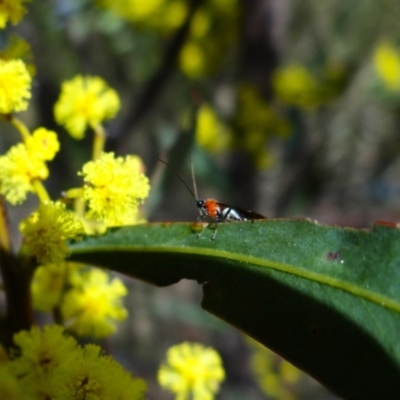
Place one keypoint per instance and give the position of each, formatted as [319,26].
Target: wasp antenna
[193,179]
[194,195]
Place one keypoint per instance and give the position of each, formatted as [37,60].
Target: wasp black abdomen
[231,214]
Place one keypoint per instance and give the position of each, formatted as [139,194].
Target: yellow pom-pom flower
[387,65]
[11,10]
[133,10]
[162,15]
[19,168]
[114,188]
[51,365]
[174,15]
[47,284]
[192,60]
[192,369]
[43,143]
[85,102]
[94,304]
[211,133]
[138,10]
[294,84]
[96,376]
[40,357]
[15,86]
[46,230]
[41,352]
[201,24]
[25,162]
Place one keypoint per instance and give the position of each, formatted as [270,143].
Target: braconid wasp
[212,208]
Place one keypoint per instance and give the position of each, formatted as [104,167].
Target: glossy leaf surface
[325,298]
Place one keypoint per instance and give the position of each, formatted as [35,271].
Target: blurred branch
[259,54]
[258,59]
[154,87]
[5,244]
[16,280]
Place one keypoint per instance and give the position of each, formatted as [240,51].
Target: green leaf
[325,298]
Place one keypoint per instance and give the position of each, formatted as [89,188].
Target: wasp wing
[244,214]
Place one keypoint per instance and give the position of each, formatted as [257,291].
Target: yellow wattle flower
[47,285]
[387,65]
[46,230]
[85,101]
[51,365]
[19,168]
[11,10]
[15,86]
[211,133]
[94,304]
[294,84]
[191,368]
[192,60]
[114,189]
[134,10]
[43,143]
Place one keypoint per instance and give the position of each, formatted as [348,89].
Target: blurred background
[286,107]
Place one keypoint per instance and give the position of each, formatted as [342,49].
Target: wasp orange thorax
[209,207]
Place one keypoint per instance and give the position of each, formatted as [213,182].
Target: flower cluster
[47,363]
[163,15]
[51,365]
[213,30]
[294,84]
[257,122]
[112,190]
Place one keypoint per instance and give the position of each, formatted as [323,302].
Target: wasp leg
[215,230]
[200,219]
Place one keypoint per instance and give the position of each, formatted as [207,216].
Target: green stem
[99,141]
[41,191]
[20,126]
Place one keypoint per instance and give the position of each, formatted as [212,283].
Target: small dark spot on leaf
[332,255]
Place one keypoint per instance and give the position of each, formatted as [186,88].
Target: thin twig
[156,84]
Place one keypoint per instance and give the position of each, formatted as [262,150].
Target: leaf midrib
[347,287]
